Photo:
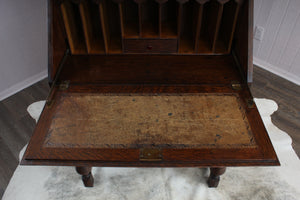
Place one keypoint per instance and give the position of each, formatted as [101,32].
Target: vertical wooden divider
[159,20]
[160,4]
[199,22]
[121,21]
[86,25]
[237,10]
[93,26]
[104,24]
[139,2]
[120,5]
[179,21]
[67,15]
[76,46]
[218,23]
[140,18]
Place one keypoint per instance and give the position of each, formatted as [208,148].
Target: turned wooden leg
[214,177]
[87,177]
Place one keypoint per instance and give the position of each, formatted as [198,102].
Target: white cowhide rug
[44,182]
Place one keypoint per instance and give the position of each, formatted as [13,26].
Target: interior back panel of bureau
[167,69]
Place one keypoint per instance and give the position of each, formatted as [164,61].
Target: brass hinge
[64,85]
[250,103]
[150,154]
[49,102]
[236,85]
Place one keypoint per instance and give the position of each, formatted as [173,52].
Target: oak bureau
[150,83]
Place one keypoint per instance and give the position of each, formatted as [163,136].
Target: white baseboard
[23,84]
[276,70]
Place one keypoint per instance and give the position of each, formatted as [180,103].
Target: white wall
[23,44]
[279,51]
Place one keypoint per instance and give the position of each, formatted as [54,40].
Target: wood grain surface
[167,69]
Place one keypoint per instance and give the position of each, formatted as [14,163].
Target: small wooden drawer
[150,45]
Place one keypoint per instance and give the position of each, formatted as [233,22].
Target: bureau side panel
[56,38]
[243,44]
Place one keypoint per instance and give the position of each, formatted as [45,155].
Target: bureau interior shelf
[191,27]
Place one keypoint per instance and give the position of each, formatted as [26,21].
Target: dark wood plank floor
[16,126]
[286,95]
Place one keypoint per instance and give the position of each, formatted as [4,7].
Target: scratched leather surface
[133,121]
